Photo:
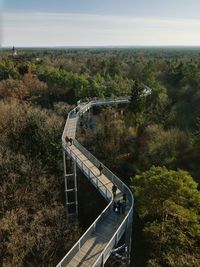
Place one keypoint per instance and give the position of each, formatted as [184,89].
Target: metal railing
[82,108]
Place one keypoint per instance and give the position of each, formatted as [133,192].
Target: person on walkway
[71,141]
[114,190]
[100,169]
[116,211]
[119,206]
[115,207]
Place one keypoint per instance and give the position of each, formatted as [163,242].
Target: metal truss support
[121,253]
[75,187]
[128,240]
[71,199]
[124,251]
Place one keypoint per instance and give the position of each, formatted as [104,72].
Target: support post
[71,198]
[65,179]
[75,187]
[128,239]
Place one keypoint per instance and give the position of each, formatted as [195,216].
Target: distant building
[14,51]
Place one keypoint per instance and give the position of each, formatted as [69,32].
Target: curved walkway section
[98,242]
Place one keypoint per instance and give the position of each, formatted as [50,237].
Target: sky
[100,23]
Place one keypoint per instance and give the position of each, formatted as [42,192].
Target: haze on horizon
[100,23]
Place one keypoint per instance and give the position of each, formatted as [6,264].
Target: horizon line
[96,46]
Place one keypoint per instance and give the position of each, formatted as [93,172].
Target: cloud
[63,29]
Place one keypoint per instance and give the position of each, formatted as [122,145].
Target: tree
[8,70]
[33,229]
[13,89]
[163,147]
[157,104]
[137,98]
[168,203]
[114,67]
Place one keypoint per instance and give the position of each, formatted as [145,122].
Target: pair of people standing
[69,140]
[119,206]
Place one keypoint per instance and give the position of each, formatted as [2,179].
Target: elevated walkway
[98,242]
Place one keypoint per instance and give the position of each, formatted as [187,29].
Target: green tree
[157,104]
[137,104]
[114,67]
[168,203]
[8,70]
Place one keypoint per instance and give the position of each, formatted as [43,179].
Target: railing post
[102,260]
[116,239]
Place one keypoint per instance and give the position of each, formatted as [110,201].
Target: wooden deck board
[92,248]
[88,253]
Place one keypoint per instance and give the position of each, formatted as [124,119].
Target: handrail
[77,112]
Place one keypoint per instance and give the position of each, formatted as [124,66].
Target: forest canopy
[152,144]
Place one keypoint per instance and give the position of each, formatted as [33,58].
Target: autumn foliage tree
[33,229]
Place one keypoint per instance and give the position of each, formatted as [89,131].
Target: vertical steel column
[71,202]
[75,187]
[128,240]
[65,179]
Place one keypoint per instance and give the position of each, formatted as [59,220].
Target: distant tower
[14,51]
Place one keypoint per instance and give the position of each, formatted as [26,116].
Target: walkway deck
[96,245]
